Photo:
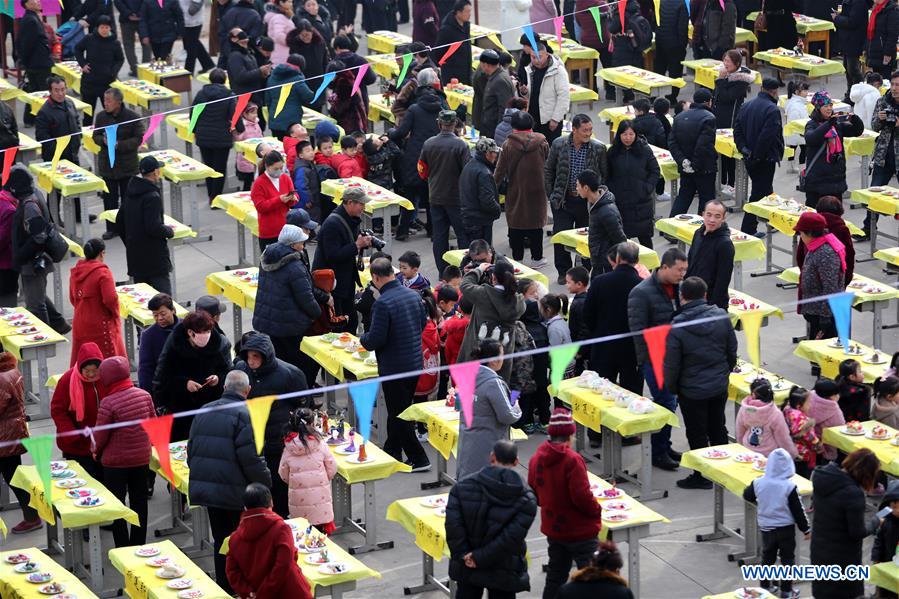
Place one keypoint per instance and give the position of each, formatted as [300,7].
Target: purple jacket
[8,204]
[425,22]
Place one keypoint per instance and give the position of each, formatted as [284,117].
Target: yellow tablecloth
[732,475]
[386,42]
[812,66]
[743,35]
[614,115]
[569,48]
[885,575]
[232,285]
[179,467]
[459,93]
[14,342]
[247,147]
[179,168]
[639,513]
[158,75]
[337,361]
[804,24]
[133,300]
[639,79]
[738,384]
[576,93]
[423,522]
[737,313]
[181,230]
[379,465]
[8,91]
[479,32]
[72,516]
[829,358]
[885,293]
[14,585]
[746,247]
[180,122]
[592,409]
[877,201]
[379,108]
[311,118]
[889,255]
[39,98]
[141,581]
[70,71]
[886,452]
[862,145]
[443,425]
[357,571]
[573,238]
[454,257]
[783,214]
[666,163]
[73,246]
[380,197]
[705,72]
[384,65]
[240,207]
[140,93]
[62,180]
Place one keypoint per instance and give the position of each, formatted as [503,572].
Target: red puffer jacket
[64,416]
[129,446]
[12,406]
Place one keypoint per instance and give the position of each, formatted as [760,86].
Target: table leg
[580,438]
[719,531]
[863,171]
[69,544]
[741,187]
[43,373]
[257,254]
[878,323]
[750,553]
[241,245]
[384,214]
[738,275]
[30,395]
[607,461]
[68,210]
[370,523]
[129,342]
[171,247]
[96,556]
[428,581]
[443,477]
[633,557]
[57,291]
[873,233]
[85,222]
[238,322]
[177,202]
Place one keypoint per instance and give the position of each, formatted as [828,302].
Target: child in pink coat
[802,429]
[307,467]
[824,408]
[760,425]
[246,170]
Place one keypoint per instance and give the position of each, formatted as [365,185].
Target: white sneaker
[665,197]
[727,190]
[537,264]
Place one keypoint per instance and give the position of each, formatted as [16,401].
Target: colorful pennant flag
[9,157]
[658,7]
[41,448]
[529,33]
[195,113]
[160,3]
[621,9]
[61,144]
[242,101]
[449,52]
[364,394]
[841,307]
[327,78]
[363,69]
[407,60]
[557,24]
[151,128]
[655,343]
[687,2]
[259,408]
[112,135]
[282,98]
[721,2]
[594,12]
[464,375]
[752,324]
[559,359]
[159,430]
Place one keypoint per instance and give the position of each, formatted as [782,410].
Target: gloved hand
[687,167]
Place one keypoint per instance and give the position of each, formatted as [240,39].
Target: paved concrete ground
[672,563]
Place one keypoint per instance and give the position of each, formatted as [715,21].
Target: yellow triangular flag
[259,408]
[658,4]
[61,144]
[282,99]
[752,323]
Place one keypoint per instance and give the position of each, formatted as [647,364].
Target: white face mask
[201,339]
[274,173]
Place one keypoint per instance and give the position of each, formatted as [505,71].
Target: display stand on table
[141,581]
[429,531]
[69,182]
[384,204]
[240,207]
[133,300]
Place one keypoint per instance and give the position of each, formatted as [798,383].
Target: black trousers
[8,467]
[246,179]
[761,175]
[690,185]
[287,348]
[35,80]
[223,523]
[668,62]
[470,591]
[484,232]
[550,134]
[118,189]
[817,324]
[93,92]
[779,540]
[728,171]
[195,49]
[161,283]
[812,197]
[279,487]
[90,465]
[401,433]
[346,12]
[704,421]
[217,158]
[537,400]
[9,288]
[560,557]
[161,50]
[534,238]
[133,483]
[572,213]
[618,364]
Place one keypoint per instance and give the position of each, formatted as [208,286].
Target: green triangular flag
[195,113]
[40,449]
[407,60]
[559,359]
[594,11]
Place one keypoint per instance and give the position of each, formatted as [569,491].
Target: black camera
[891,114]
[376,242]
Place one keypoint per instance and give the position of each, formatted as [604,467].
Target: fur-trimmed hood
[742,74]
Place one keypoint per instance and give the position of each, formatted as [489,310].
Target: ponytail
[555,303]
[301,422]
[791,89]
[504,275]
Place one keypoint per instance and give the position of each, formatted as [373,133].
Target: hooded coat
[761,427]
[699,358]
[826,413]
[105,57]
[711,258]
[308,471]
[521,163]
[12,406]
[489,514]
[277,26]
[492,414]
[457,66]
[92,293]
[864,98]
[285,305]
[124,446]
[605,229]
[143,230]
[300,95]
[776,494]
[262,558]
[633,173]
[315,53]
[63,413]
[827,175]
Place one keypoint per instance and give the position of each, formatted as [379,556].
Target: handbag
[808,167]
[503,186]
[761,20]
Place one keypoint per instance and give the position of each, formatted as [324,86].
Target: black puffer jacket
[238,14]
[54,120]
[478,197]
[213,124]
[141,226]
[274,377]
[605,229]
[488,515]
[243,72]
[692,137]
[729,95]
[33,45]
[222,456]
[419,124]
[105,57]
[315,53]
[852,24]
[886,30]
[285,305]
[162,24]
[337,251]
[711,258]
[91,10]
[840,527]
[828,173]
[650,128]
[671,34]
[758,130]
[457,66]
[887,537]
[647,306]
[633,173]
[699,357]
[606,313]
[129,135]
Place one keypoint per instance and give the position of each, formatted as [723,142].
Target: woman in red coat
[92,293]
[273,194]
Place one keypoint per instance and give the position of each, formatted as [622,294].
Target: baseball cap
[489,56]
[702,95]
[148,164]
[301,218]
[485,144]
[210,304]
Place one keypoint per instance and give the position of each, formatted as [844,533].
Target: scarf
[872,22]
[834,145]
[833,242]
[119,385]
[76,393]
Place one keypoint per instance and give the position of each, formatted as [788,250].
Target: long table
[884,449]
[383,203]
[877,201]
[68,182]
[455,257]
[240,207]
[239,286]
[15,586]
[640,81]
[429,531]
[805,67]
[141,581]
[823,353]
[575,241]
[705,72]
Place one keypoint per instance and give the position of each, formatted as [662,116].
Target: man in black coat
[213,127]
[244,72]
[345,51]
[671,40]
[129,19]
[488,515]
[100,57]
[141,226]
[160,25]
[699,358]
[455,27]
[339,243]
[478,197]
[57,117]
[852,29]
[692,145]
[605,228]
[711,255]
[33,52]
[237,15]
[129,134]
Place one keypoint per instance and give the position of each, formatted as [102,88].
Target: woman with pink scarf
[822,274]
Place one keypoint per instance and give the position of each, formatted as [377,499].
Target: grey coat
[492,414]
[498,91]
[822,274]
[557,169]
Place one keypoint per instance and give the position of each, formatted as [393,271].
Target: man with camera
[340,242]
[887,146]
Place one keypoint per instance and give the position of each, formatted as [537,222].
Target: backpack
[522,376]
[642,33]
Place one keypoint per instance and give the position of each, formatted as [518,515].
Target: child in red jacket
[345,163]
[430,351]
[569,513]
[453,330]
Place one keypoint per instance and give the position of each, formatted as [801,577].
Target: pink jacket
[540,11]
[308,474]
[761,427]
[826,413]
[278,25]
[250,130]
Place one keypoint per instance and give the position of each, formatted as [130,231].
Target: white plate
[851,433]
[83,492]
[160,574]
[313,558]
[27,567]
[302,549]
[433,501]
[880,359]
[750,593]
[87,502]
[53,588]
[746,458]
[58,465]
[17,558]
[39,577]
[146,551]
[190,594]
[158,562]
[601,494]
[344,451]
[835,344]
[716,454]
[616,505]
[330,568]
[180,584]
[870,435]
[615,516]
[440,512]
[65,473]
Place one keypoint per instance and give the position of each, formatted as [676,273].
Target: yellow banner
[585,412]
[752,323]
[282,98]
[61,144]
[442,435]
[259,408]
[428,537]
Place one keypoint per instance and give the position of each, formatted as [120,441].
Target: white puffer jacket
[198,18]
[865,97]
[554,100]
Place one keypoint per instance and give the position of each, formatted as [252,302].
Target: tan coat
[521,163]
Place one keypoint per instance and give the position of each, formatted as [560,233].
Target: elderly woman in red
[92,293]
[273,194]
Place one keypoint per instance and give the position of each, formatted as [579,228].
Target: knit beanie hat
[561,424]
[291,234]
[20,183]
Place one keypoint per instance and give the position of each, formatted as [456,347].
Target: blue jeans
[442,217]
[661,441]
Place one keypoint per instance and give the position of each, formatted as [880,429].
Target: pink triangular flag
[363,69]
[160,3]
[557,22]
[154,123]
[464,374]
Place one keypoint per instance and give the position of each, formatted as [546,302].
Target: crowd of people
[534,157]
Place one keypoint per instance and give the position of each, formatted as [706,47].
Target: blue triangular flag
[363,394]
[841,307]
[529,32]
[687,2]
[112,133]
[327,78]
